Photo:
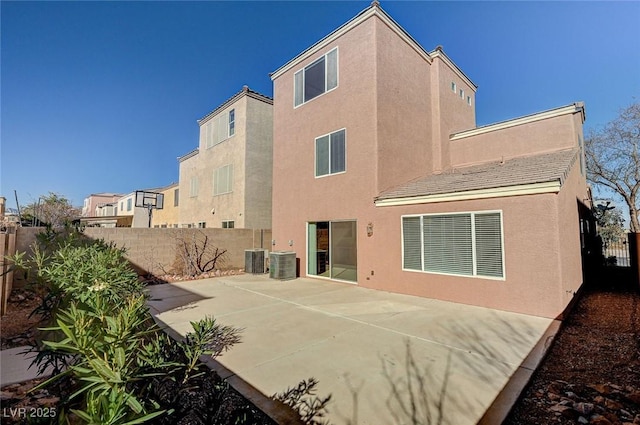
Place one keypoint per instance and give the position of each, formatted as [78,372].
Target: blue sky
[104,96]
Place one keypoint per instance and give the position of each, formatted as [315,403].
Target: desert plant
[208,338]
[303,400]
[196,255]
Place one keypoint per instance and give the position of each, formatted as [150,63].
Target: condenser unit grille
[282,265]
[254,261]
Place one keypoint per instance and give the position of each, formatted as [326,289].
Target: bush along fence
[162,252]
[111,363]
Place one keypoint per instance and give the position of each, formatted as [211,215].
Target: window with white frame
[219,128]
[317,78]
[232,122]
[453,87]
[467,244]
[461,94]
[331,153]
[193,187]
[223,180]
[469,100]
[129,204]
[228,224]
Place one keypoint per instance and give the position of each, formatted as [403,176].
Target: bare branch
[613,159]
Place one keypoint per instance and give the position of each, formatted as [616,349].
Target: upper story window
[317,78]
[453,87]
[331,154]
[232,122]
[219,128]
[129,204]
[469,100]
[461,94]
[176,197]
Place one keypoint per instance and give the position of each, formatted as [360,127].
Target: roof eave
[552,186]
[246,91]
[373,10]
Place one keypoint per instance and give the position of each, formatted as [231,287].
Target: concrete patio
[377,353]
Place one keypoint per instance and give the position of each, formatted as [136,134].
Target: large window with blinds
[466,244]
[317,78]
[219,128]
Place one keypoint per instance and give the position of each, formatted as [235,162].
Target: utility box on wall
[282,265]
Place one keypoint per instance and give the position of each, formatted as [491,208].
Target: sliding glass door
[332,250]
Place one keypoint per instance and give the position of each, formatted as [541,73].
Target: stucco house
[96,200]
[169,215]
[226,181]
[381,177]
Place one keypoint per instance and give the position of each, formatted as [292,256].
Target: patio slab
[375,353]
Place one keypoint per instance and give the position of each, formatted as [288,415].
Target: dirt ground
[18,327]
[590,376]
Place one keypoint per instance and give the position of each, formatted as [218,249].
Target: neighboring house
[168,216]
[107,210]
[226,181]
[139,216]
[382,179]
[91,203]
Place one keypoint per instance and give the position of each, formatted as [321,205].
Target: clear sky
[104,96]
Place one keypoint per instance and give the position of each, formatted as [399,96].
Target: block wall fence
[154,250]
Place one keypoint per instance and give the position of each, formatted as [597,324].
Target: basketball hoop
[149,200]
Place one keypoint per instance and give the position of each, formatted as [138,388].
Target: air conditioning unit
[255,261]
[282,265]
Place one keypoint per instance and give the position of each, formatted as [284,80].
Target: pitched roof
[246,91]
[373,10]
[542,168]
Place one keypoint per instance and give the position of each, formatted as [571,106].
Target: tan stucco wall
[154,250]
[169,215]
[253,131]
[259,165]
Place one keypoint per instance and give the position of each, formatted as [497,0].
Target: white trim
[473,244]
[304,102]
[315,157]
[345,28]
[516,121]
[498,192]
[317,276]
[442,55]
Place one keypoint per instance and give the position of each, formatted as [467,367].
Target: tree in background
[610,223]
[51,210]
[613,159]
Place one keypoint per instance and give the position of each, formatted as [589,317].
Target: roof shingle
[543,168]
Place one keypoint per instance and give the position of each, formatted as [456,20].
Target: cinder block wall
[154,250]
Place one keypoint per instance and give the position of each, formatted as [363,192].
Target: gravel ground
[592,373]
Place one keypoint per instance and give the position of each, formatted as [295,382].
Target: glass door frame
[310,255]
